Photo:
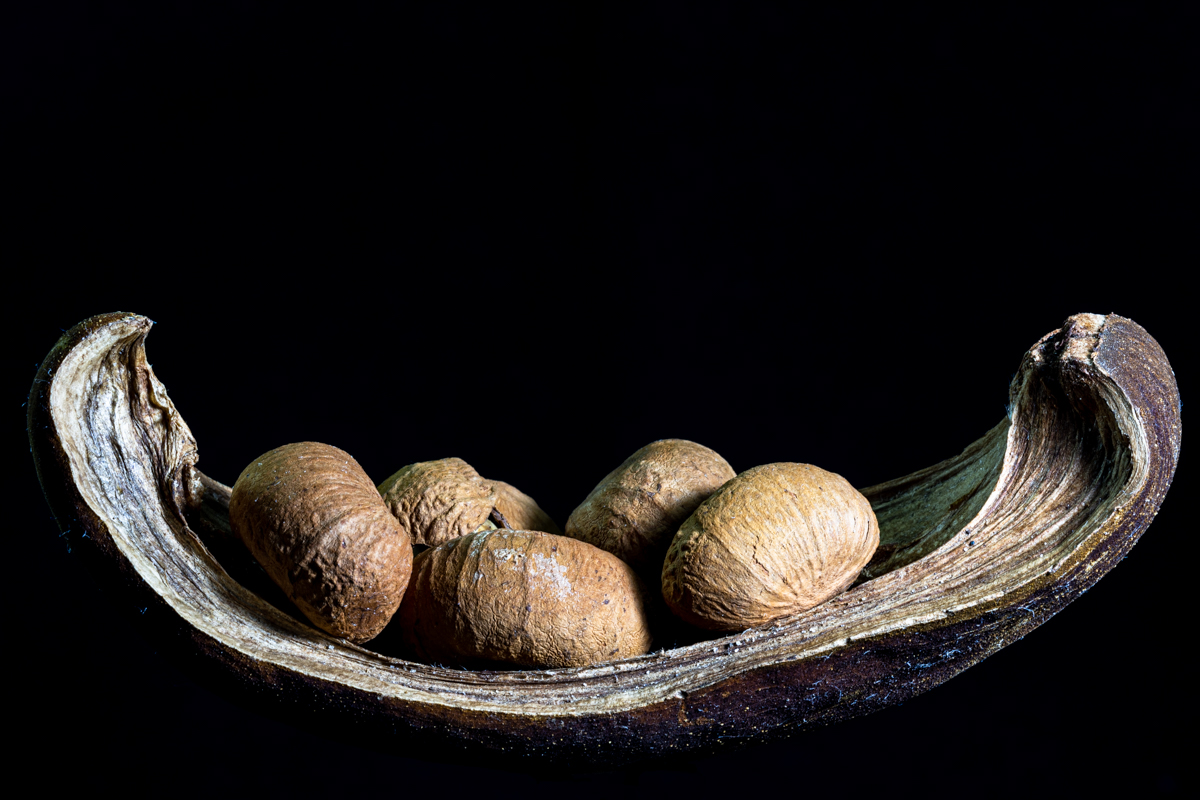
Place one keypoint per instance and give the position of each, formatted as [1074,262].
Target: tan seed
[776,540]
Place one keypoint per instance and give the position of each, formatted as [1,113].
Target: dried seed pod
[436,501]
[523,597]
[776,540]
[313,519]
[520,511]
[982,549]
[636,510]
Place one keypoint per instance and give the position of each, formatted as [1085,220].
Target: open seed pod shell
[975,552]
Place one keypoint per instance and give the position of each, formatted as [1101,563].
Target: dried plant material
[636,510]
[436,501]
[774,541]
[523,597]
[520,511]
[1056,495]
[311,516]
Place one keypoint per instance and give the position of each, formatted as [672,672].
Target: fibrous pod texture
[984,548]
[310,515]
[526,598]
[776,540]
[436,501]
[636,510]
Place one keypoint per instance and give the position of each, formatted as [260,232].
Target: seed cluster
[495,583]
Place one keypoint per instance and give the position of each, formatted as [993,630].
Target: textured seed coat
[436,501]
[520,511]
[636,510]
[313,519]
[776,540]
[526,598]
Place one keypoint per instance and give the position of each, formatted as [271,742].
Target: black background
[540,239]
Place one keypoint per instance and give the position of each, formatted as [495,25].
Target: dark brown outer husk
[776,540]
[312,518]
[523,597]
[636,509]
[1080,469]
[436,501]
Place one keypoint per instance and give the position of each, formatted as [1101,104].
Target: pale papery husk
[525,598]
[776,540]
[636,509]
[311,517]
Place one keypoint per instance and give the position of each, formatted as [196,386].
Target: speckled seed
[636,510]
[315,522]
[526,598]
[774,541]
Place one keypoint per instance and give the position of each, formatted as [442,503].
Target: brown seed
[436,501]
[522,597]
[315,522]
[774,541]
[636,510]
[520,511]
